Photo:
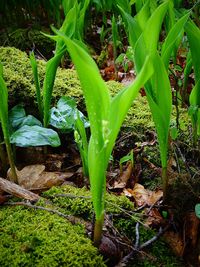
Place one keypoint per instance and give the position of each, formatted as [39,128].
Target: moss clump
[28,38]
[38,238]
[78,201]
[19,79]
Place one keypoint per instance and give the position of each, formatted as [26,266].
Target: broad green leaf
[197,210]
[127,158]
[64,117]
[17,118]
[66,104]
[160,102]
[35,136]
[170,42]
[193,34]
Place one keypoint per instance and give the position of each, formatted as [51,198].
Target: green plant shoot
[106,115]
[4,123]
[158,89]
[193,34]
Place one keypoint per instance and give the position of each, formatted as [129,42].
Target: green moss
[79,201]
[19,79]
[28,38]
[38,238]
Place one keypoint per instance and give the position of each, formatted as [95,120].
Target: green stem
[98,231]
[11,161]
[165,182]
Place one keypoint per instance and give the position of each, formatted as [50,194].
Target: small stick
[154,238]
[137,235]
[135,250]
[17,190]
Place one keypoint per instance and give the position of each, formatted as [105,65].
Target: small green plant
[193,34]
[4,123]
[28,131]
[66,117]
[106,115]
[73,28]
[144,31]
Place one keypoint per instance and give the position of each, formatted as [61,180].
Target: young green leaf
[173,35]
[37,83]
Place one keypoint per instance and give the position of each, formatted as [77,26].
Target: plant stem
[11,161]
[98,231]
[165,182]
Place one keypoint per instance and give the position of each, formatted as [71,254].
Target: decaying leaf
[123,179]
[154,218]
[175,242]
[34,177]
[143,196]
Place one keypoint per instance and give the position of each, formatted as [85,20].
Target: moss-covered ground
[32,237]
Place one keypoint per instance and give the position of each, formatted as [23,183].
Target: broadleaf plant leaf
[64,117]
[35,136]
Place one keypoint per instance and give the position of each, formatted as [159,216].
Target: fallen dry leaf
[124,177]
[175,242]
[143,196]
[154,218]
[34,177]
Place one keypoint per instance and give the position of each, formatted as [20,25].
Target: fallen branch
[17,190]
[135,250]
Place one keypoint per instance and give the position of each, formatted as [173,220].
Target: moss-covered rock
[38,238]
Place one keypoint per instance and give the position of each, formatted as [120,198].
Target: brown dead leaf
[175,241]
[143,196]
[124,177]
[34,177]
[154,218]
